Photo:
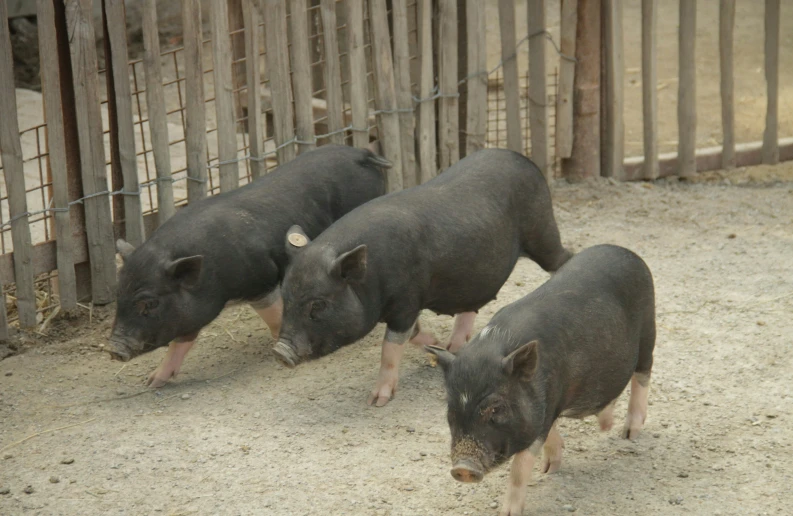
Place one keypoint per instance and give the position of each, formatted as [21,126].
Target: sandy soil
[238,434]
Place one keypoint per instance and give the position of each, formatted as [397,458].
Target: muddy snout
[119,350]
[286,354]
[468,470]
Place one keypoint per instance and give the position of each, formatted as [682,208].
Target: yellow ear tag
[297,240]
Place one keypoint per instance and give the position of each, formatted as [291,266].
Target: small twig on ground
[230,335]
[684,311]
[122,368]
[49,319]
[4,448]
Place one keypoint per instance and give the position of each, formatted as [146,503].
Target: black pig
[230,247]
[447,245]
[567,349]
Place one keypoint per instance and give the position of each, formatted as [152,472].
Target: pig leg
[393,348]
[422,338]
[606,417]
[519,476]
[172,362]
[463,328]
[552,451]
[544,246]
[637,405]
[271,309]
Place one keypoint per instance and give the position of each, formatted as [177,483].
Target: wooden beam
[278,71]
[195,109]
[428,157]
[224,98]
[449,116]
[407,135]
[333,92]
[476,112]
[538,99]
[256,128]
[770,135]
[301,77]
[509,56]
[687,91]
[726,29]
[358,88]
[564,99]
[613,143]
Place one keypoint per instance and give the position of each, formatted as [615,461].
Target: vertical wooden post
[585,159]
[385,92]
[770,135]
[155,104]
[99,226]
[476,112]
[613,142]
[236,18]
[564,99]
[687,92]
[649,88]
[195,109]
[301,77]
[224,98]
[333,94]
[449,116]
[255,119]
[428,159]
[278,70]
[56,149]
[404,95]
[726,27]
[13,169]
[133,214]
[462,75]
[358,87]
[509,56]
[538,99]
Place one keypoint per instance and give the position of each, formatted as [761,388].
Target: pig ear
[445,358]
[351,266]
[186,271]
[124,248]
[296,239]
[523,361]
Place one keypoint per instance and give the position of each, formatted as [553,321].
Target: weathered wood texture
[98,221]
[584,161]
[771,136]
[407,136]
[56,150]
[449,116]
[687,89]
[155,104]
[224,97]
[195,109]
[117,31]
[509,56]
[564,99]
[14,173]
[428,157]
[649,87]
[358,87]
[278,71]
[385,92]
[726,30]
[538,99]
[236,17]
[476,110]
[613,143]
[301,76]
[256,127]
[333,92]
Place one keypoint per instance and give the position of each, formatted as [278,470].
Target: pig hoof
[511,511]
[379,399]
[551,466]
[633,427]
[155,381]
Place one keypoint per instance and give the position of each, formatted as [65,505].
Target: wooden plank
[256,128]
[564,98]
[301,77]
[116,174]
[56,150]
[476,112]
[14,172]
[195,109]
[4,330]
[449,116]
[278,70]
[687,92]
[428,158]
[385,92]
[614,137]
[236,15]
[509,56]
[726,29]
[333,92]
[649,87]
[746,155]
[404,94]
[462,75]
[584,161]
[358,88]
[117,31]
[771,135]
[101,246]
[155,105]
[538,99]
[224,98]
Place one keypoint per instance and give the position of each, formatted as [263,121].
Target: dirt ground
[236,433]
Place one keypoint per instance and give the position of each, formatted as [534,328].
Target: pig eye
[317,307]
[146,306]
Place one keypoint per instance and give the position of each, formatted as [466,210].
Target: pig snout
[286,354]
[468,470]
[120,349]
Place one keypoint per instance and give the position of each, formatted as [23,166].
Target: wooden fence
[249,84]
